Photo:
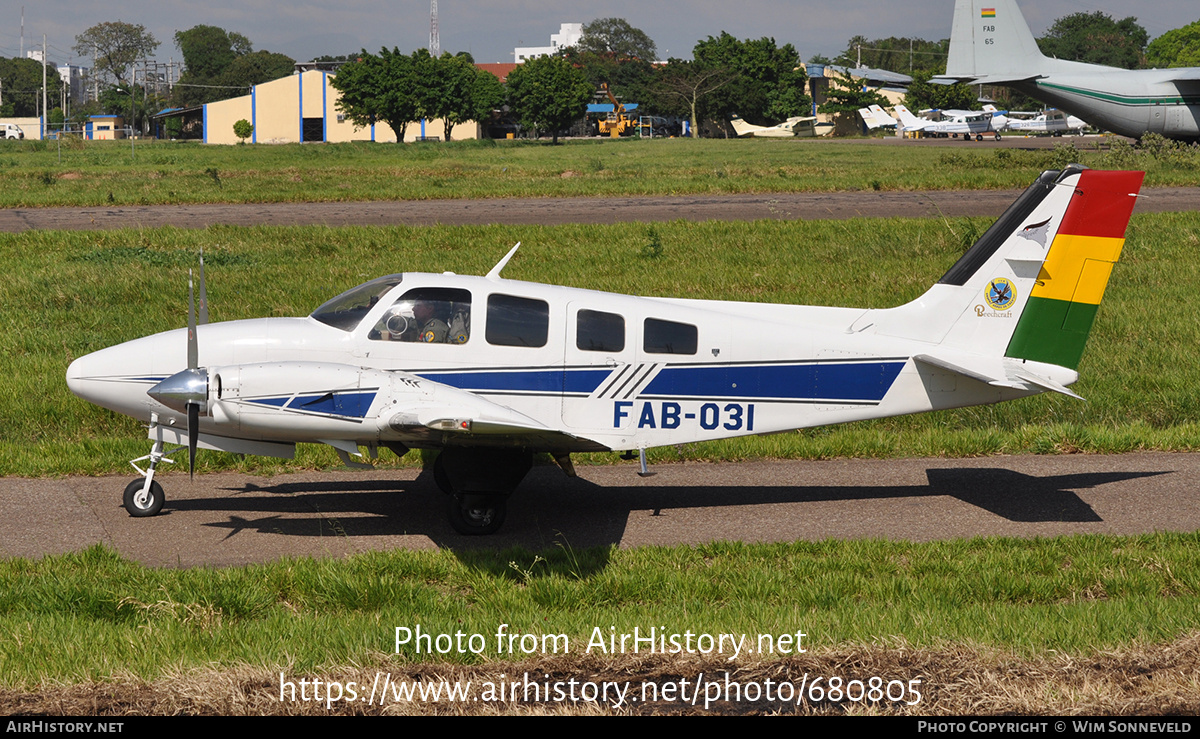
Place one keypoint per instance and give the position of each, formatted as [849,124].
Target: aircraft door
[597,358]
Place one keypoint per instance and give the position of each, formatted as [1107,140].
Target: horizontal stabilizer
[996,373]
[1046,383]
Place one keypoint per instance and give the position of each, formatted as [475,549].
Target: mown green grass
[92,615]
[38,173]
[69,293]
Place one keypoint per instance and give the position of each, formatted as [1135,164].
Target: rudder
[1062,305]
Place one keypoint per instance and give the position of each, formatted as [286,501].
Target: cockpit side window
[427,315]
[348,309]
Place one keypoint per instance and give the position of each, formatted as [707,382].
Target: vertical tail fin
[990,38]
[1030,286]
[1062,305]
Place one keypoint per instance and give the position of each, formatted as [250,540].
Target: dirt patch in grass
[1155,680]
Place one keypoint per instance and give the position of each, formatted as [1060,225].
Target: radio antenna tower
[435,44]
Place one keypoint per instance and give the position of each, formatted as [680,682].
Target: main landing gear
[478,483]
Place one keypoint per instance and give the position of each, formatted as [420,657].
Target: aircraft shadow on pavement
[549,509]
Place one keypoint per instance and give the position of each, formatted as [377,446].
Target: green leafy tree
[208,54]
[243,130]
[548,94]
[379,88]
[615,37]
[255,69]
[208,51]
[847,95]
[767,83]
[115,47]
[21,87]
[682,88]
[922,94]
[896,54]
[453,89]
[1177,48]
[1096,38]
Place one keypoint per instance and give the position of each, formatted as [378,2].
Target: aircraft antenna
[495,273]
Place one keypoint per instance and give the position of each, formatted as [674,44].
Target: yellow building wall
[219,119]
[276,110]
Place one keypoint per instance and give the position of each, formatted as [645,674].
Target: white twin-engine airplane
[492,371]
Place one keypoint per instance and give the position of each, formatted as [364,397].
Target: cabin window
[513,321]
[668,337]
[596,331]
[427,315]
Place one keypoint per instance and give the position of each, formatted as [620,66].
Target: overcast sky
[489,30]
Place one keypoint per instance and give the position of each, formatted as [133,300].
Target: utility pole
[45,112]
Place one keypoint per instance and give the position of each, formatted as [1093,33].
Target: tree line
[756,79]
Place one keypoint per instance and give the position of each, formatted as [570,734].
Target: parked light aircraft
[492,371]
[991,44]
[876,117]
[804,126]
[957,123]
[1052,121]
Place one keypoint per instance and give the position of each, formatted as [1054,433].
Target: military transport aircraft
[492,371]
[990,44]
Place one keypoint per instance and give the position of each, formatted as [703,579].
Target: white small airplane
[492,371]
[965,123]
[803,126]
[876,117]
[1052,121]
[990,44]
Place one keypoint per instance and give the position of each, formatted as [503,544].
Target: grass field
[67,294]
[37,173]
[98,616]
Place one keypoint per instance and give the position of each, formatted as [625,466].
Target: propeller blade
[193,411]
[203,293]
[192,348]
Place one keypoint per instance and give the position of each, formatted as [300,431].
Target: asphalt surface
[555,211]
[231,519]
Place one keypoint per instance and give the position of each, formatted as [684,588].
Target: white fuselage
[741,368]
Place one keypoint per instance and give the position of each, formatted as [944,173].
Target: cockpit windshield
[348,309]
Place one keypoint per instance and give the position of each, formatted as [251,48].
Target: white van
[11,131]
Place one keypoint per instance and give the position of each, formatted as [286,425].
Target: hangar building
[303,107]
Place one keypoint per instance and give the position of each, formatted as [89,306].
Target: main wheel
[979,137]
[149,507]
[440,478]
[477,515]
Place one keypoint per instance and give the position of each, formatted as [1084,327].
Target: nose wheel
[144,496]
[143,500]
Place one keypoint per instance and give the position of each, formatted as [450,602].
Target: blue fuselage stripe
[866,381]
[851,381]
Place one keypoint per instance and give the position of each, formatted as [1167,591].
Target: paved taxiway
[233,518]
